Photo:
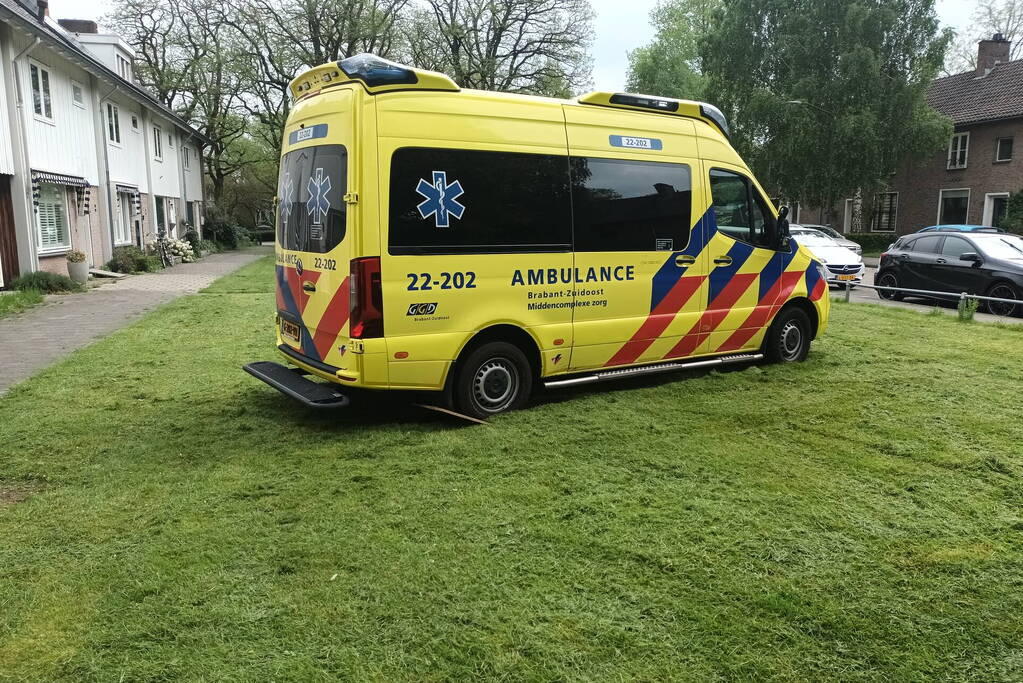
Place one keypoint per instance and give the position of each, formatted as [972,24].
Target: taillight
[365,299]
[882,257]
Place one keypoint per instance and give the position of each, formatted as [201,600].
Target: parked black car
[988,264]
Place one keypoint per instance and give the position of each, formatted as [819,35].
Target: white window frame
[123,202]
[81,90]
[998,145]
[123,66]
[135,123]
[185,157]
[113,121]
[962,149]
[989,206]
[895,215]
[157,143]
[43,94]
[941,195]
[170,140]
[65,245]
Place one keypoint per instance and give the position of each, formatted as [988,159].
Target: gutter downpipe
[101,139]
[33,256]
[150,190]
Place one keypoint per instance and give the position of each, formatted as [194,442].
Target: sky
[618,27]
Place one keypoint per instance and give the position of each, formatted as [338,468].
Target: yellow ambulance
[482,244]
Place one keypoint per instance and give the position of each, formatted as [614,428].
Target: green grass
[17,301]
[859,516]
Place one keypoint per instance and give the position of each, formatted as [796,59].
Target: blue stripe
[291,307]
[812,277]
[772,272]
[669,272]
[720,276]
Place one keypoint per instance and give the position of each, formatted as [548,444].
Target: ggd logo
[422,309]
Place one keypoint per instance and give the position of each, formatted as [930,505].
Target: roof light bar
[715,115]
[375,71]
[644,101]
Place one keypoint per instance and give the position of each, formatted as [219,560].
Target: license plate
[290,330]
[846,277]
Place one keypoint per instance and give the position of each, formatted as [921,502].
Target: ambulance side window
[623,205]
[738,209]
[460,201]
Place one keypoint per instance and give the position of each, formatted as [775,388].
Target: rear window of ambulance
[310,191]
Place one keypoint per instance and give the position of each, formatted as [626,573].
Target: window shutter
[53,232]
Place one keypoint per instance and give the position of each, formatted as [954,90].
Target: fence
[962,297]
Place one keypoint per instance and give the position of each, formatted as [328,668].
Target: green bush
[209,245]
[192,237]
[48,283]
[872,241]
[129,259]
[1013,219]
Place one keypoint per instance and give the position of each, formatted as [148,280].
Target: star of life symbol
[287,197]
[317,205]
[440,199]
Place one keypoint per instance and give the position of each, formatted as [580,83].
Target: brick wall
[919,185]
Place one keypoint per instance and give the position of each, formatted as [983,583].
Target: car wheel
[888,280]
[788,339]
[493,379]
[1002,290]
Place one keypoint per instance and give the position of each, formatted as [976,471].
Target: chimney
[42,9]
[78,25]
[991,52]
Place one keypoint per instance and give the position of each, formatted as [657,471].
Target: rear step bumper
[653,369]
[291,382]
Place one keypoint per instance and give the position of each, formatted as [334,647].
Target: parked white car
[845,267]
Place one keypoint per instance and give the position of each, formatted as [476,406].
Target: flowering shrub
[181,248]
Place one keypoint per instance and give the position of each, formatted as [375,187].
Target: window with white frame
[170,139]
[185,154]
[52,218]
[42,104]
[157,143]
[958,150]
[953,206]
[135,123]
[77,94]
[113,123]
[123,67]
[1003,149]
[886,210]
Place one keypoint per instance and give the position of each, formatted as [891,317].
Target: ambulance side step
[605,375]
[291,382]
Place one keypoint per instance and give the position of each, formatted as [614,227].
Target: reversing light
[373,70]
[715,115]
[644,101]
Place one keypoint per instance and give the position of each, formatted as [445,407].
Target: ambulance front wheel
[788,339]
[492,379]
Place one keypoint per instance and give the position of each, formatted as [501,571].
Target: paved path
[915,303]
[36,338]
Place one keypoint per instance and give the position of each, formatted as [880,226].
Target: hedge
[872,241]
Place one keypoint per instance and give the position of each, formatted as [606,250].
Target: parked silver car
[833,234]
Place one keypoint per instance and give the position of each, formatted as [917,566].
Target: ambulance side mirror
[781,230]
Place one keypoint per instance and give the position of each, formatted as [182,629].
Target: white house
[88,159]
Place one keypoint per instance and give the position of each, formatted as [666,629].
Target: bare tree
[989,17]
[529,46]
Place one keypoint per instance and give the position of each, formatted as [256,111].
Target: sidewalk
[36,338]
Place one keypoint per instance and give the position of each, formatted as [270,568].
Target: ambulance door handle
[685,260]
[723,261]
[308,286]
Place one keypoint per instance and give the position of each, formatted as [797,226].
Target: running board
[653,369]
[291,382]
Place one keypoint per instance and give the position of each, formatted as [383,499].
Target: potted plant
[77,267]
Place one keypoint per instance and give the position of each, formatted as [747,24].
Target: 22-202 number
[423,281]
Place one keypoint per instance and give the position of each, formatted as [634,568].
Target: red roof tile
[965,98]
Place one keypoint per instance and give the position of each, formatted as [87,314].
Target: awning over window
[58,179]
[133,192]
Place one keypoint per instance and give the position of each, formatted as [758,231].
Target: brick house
[970,180]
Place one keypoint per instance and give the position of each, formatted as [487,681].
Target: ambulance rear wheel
[788,340]
[493,379]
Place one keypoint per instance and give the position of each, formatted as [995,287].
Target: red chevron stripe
[773,300]
[819,289]
[658,320]
[714,315]
[334,318]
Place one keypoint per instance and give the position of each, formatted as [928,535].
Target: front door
[8,244]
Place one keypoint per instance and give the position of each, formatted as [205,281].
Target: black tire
[888,279]
[492,379]
[788,339]
[1002,290]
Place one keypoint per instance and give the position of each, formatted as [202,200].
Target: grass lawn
[860,516]
[18,301]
